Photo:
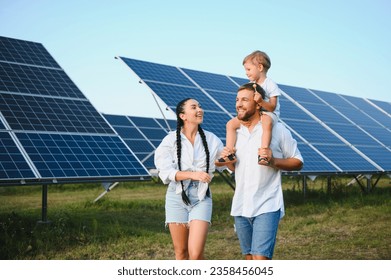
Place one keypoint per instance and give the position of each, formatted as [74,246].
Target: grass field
[128,223]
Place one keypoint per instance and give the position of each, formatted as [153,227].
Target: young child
[256,66]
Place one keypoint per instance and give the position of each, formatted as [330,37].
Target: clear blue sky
[337,46]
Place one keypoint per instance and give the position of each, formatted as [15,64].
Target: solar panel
[141,134]
[334,110]
[334,135]
[54,133]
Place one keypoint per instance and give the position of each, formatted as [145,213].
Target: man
[258,205]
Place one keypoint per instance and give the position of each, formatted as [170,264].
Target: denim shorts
[257,235]
[178,212]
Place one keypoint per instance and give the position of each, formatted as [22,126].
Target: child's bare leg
[267,125]
[231,127]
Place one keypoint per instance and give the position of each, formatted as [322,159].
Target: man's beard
[246,116]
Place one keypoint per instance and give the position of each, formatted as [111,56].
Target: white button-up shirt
[271,90]
[258,188]
[193,158]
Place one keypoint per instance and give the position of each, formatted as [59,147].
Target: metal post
[369,184]
[304,185]
[329,184]
[44,219]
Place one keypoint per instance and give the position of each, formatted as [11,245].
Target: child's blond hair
[259,57]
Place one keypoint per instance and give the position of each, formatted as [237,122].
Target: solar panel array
[335,133]
[49,131]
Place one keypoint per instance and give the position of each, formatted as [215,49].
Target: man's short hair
[254,87]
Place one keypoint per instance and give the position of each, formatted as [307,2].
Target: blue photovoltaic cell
[138,142]
[19,51]
[360,112]
[353,134]
[150,128]
[358,117]
[140,147]
[379,155]
[24,112]
[153,133]
[79,156]
[239,81]
[128,132]
[156,143]
[216,122]
[313,132]
[117,120]
[212,81]
[37,80]
[370,110]
[292,112]
[2,125]
[313,162]
[144,122]
[386,106]
[172,95]
[346,159]
[300,94]
[171,124]
[157,72]
[325,113]
[381,134]
[149,162]
[226,99]
[12,163]
[332,98]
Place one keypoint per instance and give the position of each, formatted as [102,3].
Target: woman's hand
[200,176]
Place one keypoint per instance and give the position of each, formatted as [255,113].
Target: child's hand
[258,98]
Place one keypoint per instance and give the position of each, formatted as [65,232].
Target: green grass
[128,223]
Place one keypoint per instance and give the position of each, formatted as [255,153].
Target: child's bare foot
[263,161]
[263,156]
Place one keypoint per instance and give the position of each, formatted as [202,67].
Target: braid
[179,154]
[179,110]
[202,134]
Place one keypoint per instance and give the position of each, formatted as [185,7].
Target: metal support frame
[304,185]
[108,187]
[369,186]
[227,178]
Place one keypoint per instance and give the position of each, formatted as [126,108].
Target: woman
[185,161]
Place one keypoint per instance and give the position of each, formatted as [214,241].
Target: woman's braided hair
[179,110]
